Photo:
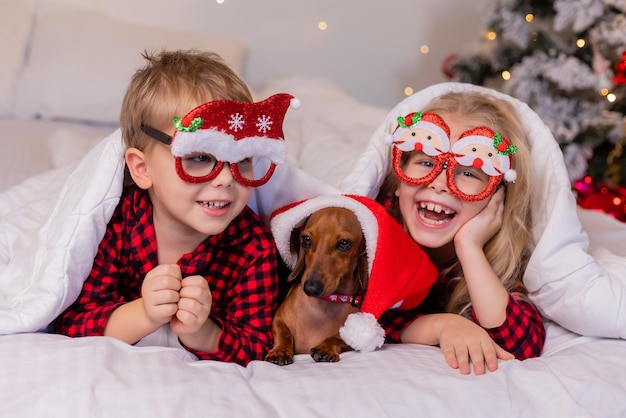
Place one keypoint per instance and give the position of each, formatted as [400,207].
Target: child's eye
[472,173]
[466,173]
[200,159]
[422,160]
[245,166]
[198,164]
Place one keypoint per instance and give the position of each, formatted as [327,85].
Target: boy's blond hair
[171,84]
[507,250]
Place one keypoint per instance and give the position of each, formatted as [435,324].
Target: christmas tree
[567,60]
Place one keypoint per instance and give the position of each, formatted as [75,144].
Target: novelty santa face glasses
[475,165]
[225,131]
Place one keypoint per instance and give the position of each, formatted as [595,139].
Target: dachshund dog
[330,279]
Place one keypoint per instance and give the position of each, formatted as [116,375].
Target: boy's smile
[214,205]
[191,209]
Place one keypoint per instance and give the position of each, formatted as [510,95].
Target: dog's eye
[305,241]
[344,245]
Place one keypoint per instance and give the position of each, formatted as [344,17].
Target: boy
[182,247]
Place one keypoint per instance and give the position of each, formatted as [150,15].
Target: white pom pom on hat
[510,176]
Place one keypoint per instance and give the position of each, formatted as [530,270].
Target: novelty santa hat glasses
[477,149]
[226,131]
[400,273]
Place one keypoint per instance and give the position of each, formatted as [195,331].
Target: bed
[61,169]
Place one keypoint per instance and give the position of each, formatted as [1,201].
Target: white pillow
[319,141]
[15,23]
[67,146]
[81,61]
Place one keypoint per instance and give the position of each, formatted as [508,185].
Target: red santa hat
[400,273]
[233,131]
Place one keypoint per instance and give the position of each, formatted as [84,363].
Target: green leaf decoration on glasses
[414,120]
[502,147]
[193,126]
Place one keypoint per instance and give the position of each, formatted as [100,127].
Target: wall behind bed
[369,48]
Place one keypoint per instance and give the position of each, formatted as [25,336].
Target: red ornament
[601,197]
[446,66]
[620,71]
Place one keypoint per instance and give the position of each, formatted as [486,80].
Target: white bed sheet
[56,376]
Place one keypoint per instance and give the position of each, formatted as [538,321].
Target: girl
[459,184]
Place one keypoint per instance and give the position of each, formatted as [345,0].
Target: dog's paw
[320,354]
[282,357]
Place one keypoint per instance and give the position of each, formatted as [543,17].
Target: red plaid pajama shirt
[522,332]
[240,265]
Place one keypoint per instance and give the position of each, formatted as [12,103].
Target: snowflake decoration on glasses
[264,123]
[236,122]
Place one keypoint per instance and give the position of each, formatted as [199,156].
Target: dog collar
[354,300]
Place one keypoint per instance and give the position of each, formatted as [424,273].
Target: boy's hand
[159,292]
[194,306]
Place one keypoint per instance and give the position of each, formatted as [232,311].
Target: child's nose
[440,183]
[224,178]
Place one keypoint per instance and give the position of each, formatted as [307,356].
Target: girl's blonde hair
[507,250]
[171,84]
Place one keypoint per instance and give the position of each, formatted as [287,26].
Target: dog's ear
[294,245]
[298,269]
[363,268]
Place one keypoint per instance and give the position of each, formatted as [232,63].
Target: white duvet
[50,227]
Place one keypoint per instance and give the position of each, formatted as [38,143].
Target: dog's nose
[313,286]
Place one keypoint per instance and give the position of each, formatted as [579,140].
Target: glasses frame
[446,162]
[188,178]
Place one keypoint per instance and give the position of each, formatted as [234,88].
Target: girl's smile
[434,213]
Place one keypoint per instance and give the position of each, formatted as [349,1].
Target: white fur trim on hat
[226,148]
[283,223]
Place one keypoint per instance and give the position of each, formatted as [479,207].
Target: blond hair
[507,250]
[171,84]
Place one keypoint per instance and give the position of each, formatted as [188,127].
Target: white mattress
[56,376]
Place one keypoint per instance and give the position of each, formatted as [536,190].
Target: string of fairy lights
[491,35]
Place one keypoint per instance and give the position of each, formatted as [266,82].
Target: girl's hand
[485,224]
[159,293]
[462,341]
[194,306]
